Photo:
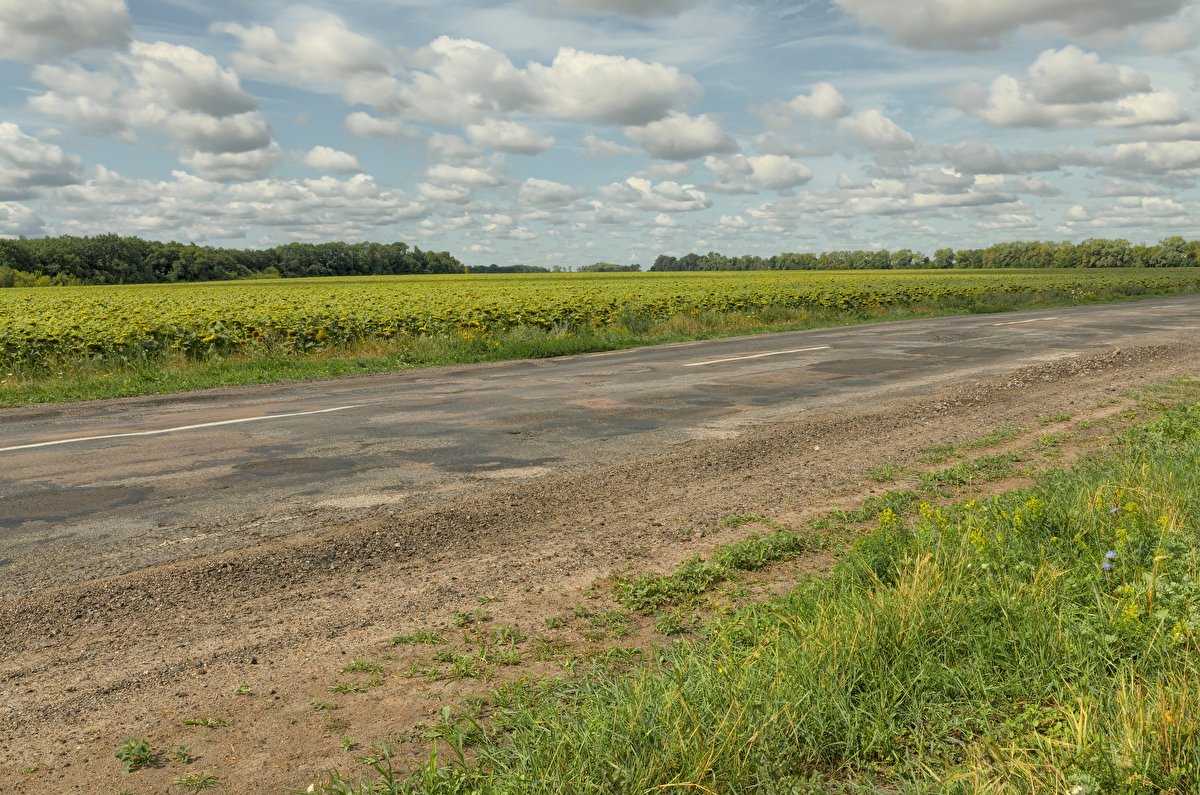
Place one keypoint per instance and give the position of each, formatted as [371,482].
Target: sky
[566,132]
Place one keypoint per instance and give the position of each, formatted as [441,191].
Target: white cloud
[17,219]
[823,103]
[444,174]
[174,76]
[978,157]
[324,158]
[1073,88]
[316,52]
[610,89]
[682,137]
[665,197]
[364,125]
[982,24]
[778,172]
[602,147]
[1179,34]
[27,164]
[33,30]
[874,130]
[507,136]
[544,192]
[1157,157]
[220,166]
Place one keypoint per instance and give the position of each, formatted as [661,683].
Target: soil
[255,639]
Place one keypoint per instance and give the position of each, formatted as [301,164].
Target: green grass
[1044,640]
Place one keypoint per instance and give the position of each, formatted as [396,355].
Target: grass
[85,379]
[1042,640]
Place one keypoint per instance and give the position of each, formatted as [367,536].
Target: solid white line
[757,356]
[1032,320]
[161,431]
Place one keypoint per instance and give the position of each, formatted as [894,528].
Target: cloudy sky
[562,132]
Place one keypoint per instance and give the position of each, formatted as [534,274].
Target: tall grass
[1041,641]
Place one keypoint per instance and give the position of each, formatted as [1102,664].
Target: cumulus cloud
[470,176]
[17,220]
[196,208]
[179,77]
[544,192]
[324,158]
[665,197]
[602,147]
[876,131]
[317,51]
[682,137]
[983,24]
[1073,88]
[979,157]
[508,136]
[364,125]
[27,164]
[823,103]
[33,31]
[241,166]
[165,88]
[778,172]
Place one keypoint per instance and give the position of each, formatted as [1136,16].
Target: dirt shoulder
[237,656]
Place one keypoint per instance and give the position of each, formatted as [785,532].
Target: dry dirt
[86,666]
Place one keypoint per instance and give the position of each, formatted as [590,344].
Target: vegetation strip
[1041,640]
[75,343]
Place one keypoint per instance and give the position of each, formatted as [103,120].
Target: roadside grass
[1040,640]
[92,379]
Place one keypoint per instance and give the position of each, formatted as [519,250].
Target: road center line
[757,356]
[1031,320]
[161,431]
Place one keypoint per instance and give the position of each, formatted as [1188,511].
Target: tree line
[112,259]
[1172,252]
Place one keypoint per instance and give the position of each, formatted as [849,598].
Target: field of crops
[44,325]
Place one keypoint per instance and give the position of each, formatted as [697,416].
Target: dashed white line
[756,356]
[1031,320]
[161,431]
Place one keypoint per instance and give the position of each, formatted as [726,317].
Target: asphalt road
[100,488]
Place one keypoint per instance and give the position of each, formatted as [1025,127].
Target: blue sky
[562,132]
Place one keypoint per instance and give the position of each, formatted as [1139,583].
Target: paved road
[104,487]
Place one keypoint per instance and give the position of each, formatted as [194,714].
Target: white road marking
[161,431]
[757,356]
[1031,320]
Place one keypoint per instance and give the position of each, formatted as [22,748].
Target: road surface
[103,488]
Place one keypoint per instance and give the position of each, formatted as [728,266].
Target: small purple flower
[1111,554]
[1106,566]
[1113,509]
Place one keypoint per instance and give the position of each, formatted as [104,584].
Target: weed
[348,743]
[324,706]
[998,436]
[967,473]
[208,723]
[555,622]
[182,754]
[488,599]
[244,690]
[346,688]
[362,667]
[652,591]
[135,754]
[737,520]
[419,637]
[671,623]
[545,649]
[463,618]
[1062,416]
[756,552]
[507,635]
[197,782]
[884,473]
[336,726]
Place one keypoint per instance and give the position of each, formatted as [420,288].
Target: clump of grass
[420,637]
[979,470]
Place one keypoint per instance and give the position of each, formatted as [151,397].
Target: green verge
[1045,640]
[61,381]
